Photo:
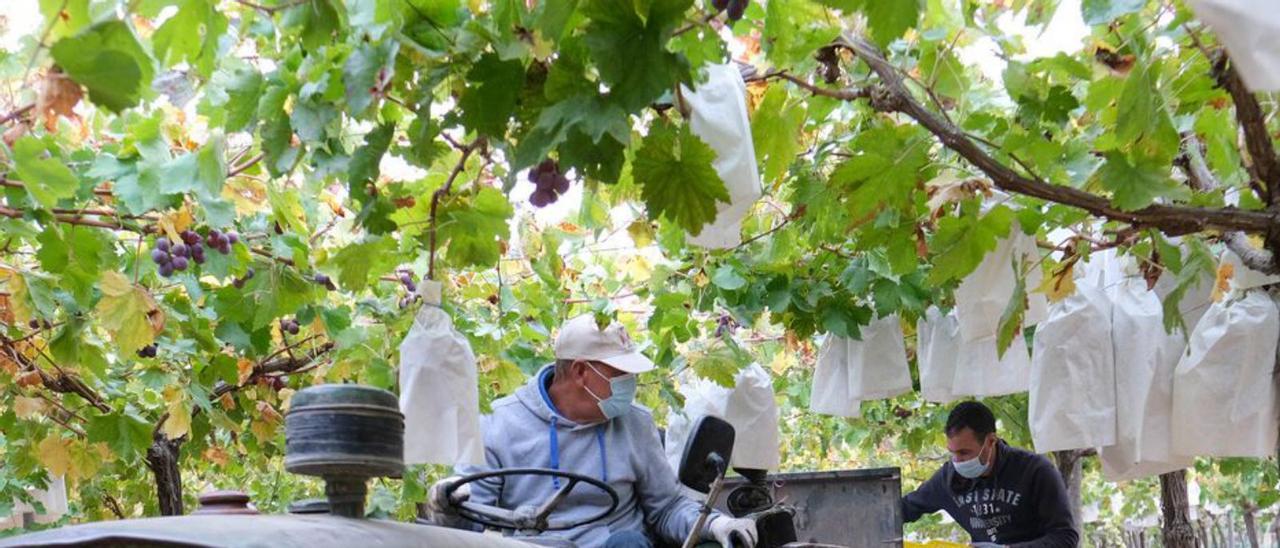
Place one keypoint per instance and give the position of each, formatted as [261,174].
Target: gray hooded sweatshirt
[525,431]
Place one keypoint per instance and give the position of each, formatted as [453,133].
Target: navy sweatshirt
[1023,504]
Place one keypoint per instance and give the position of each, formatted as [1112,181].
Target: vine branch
[1202,179]
[443,191]
[1263,164]
[893,96]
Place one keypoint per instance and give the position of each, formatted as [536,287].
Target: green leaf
[107,60]
[888,20]
[1098,12]
[317,20]
[795,29]
[674,168]
[726,277]
[962,241]
[67,16]
[472,230]
[47,179]
[243,92]
[363,167]
[1135,186]
[365,70]
[1138,106]
[490,100]
[1010,324]
[356,261]
[191,35]
[77,254]
[126,435]
[775,130]
[277,144]
[628,43]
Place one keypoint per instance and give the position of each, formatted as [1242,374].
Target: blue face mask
[973,467]
[622,390]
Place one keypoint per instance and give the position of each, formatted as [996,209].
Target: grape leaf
[1010,324]
[126,435]
[367,67]
[795,29]
[47,179]
[363,167]
[474,229]
[961,241]
[887,21]
[107,59]
[1097,12]
[191,35]
[243,91]
[357,260]
[674,168]
[628,46]
[490,100]
[1135,186]
[128,313]
[775,130]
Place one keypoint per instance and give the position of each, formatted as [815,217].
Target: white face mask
[973,467]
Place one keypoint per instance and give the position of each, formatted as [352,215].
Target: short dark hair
[971,415]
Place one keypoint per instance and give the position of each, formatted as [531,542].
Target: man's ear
[578,371]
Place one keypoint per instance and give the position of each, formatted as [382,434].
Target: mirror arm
[715,461]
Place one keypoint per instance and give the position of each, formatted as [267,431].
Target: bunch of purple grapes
[735,7]
[289,325]
[148,351]
[549,183]
[406,279]
[323,279]
[220,241]
[177,257]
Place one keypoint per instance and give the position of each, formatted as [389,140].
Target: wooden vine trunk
[1069,465]
[162,459]
[1176,529]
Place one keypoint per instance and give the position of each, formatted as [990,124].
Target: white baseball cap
[581,339]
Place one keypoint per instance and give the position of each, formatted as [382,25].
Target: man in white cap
[578,415]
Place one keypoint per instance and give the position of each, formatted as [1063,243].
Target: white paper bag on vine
[718,115]
[439,395]
[981,372]
[1073,391]
[53,499]
[937,353]
[850,371]
[1224,394]
[983,295]
[1146,356]
[749,406]
[1249,29]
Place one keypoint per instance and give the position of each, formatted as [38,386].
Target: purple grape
[542,197]
[720,5]
[180,250]
[190,236]
[179,263]
[406,278]
[736,9]
[232,237]
[158,256]
[248,274]
[411,287]
[561,185]
[199,259]
[238,283]
[162,244]
[34,324]
[225,248]
[166,269]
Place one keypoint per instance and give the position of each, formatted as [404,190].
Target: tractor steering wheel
[537,519]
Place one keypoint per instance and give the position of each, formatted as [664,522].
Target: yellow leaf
[1222,284]
[286,398]
[782,361]
[641,232]
[86,459]
[227,402]
[1061,284]
[128,313]
[700,279]
[179,422]
[264,426]
[54,455]
[175,222]
[19,299]
[26,407]
[244,368]
[248,194]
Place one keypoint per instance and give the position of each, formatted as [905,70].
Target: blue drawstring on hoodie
[554,437]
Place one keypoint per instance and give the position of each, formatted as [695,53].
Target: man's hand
[440,507]
[727,530]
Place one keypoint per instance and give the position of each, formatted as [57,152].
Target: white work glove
[441,508]
[725,529]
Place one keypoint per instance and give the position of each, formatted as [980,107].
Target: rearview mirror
[707,453]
